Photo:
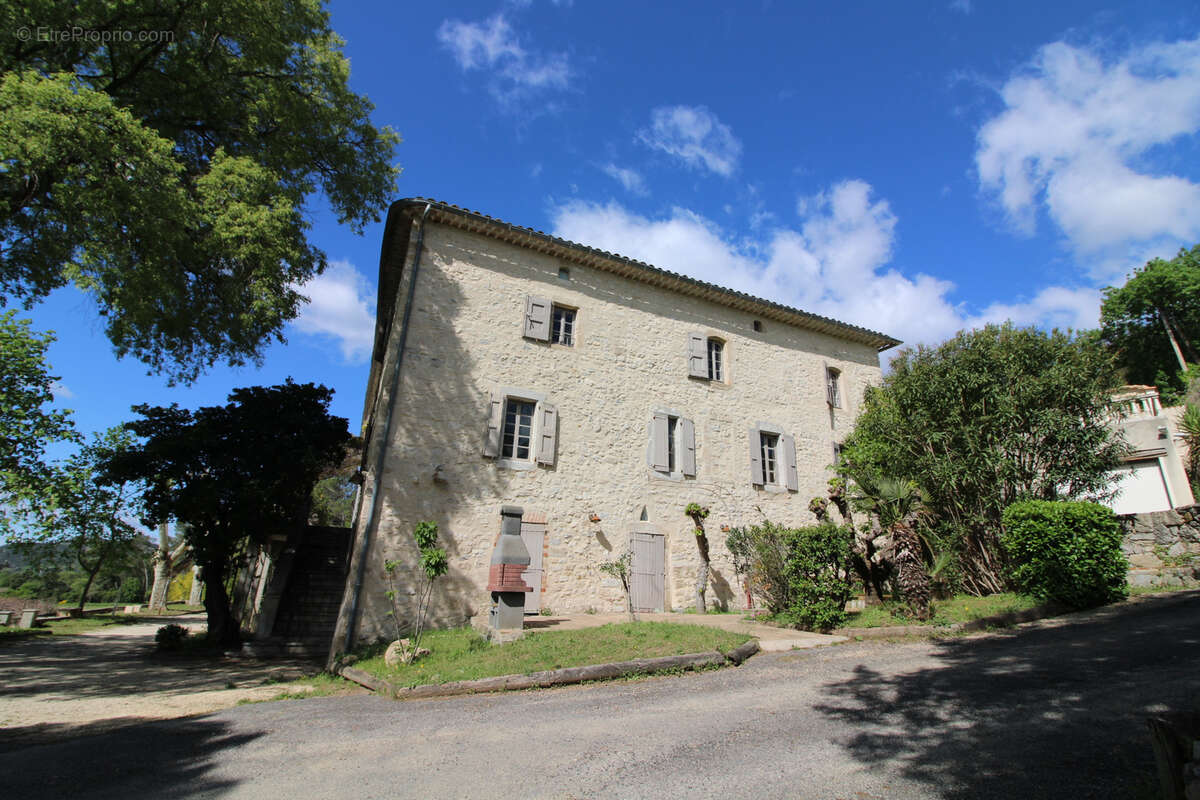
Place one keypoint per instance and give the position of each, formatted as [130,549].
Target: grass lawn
[67,626]
[960,608]
[462,654]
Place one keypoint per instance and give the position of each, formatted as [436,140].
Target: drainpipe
[381,451]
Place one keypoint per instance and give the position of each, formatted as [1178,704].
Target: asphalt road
[1054,710]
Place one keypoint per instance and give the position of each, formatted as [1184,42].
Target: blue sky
[914,168]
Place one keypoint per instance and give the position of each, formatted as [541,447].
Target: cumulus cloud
[1078,140]
[629,178]
[835,261]
[494,47]
[694,135]
[341,307]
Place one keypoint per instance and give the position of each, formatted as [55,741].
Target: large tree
[161,161]
[988,417]
[1153,322]
[28,423]
[234,475]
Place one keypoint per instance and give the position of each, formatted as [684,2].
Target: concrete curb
[553,677]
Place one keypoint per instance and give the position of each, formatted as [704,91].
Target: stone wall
[1163,547]
[629,360]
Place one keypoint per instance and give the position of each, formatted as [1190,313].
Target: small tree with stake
[699,513]
[620,568]
[434,564]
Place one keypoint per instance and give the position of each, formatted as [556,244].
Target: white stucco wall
[629,359]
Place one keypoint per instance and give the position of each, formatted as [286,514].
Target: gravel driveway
[1055,710]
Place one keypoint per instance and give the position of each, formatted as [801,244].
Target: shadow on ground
[176,760]
[1023,715]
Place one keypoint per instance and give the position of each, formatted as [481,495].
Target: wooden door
[649,571]
[534,536]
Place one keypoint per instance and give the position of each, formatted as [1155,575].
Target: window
[758,326]
[706,357]
[837,453]
[564,274]
[522,429]
[518,429]
[562,328]
[770,446]
[672,449]
[773,458]
[716,371]
[832,392]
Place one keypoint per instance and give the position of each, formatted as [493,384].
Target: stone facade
[1163,547]
[629,359]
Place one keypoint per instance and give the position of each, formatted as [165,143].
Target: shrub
[170,637]
[1066,552]
[818,574]
[801,574]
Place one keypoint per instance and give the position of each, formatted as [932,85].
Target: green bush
[1066,552]
[818,574]
[170,637]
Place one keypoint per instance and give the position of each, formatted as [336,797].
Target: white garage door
[1142,488]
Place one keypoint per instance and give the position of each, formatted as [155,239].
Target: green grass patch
[68,626]
[952,611]
[323,684]
[462,654]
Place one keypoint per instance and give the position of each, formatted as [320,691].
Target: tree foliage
[1159,301]
[27,425]
[167,175]
[990,416]
[234,474]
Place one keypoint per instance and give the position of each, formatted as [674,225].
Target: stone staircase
[312,596]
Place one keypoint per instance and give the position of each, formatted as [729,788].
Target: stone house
[601,395]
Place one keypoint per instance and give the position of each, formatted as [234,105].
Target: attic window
[758,326]
[564,274]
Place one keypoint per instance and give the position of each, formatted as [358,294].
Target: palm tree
[1189,423]
[899,506]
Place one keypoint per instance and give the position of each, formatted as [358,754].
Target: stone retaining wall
[1163,547]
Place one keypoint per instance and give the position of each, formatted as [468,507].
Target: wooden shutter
[659,455]
[687,447]
[756,465]
[548,435]
[697,355]
[491,445]
[537,318]
[790,476]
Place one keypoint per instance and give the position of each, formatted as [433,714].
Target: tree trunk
[87,587]
[628,598]
[197,586]
[222,627]
[1166,321]
[162,571]
[912,577]
[701,587]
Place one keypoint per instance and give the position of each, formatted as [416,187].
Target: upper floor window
[832,387]
[562,328]
[716,355]
[522,429]
[773,458]
[706,357]
[672,444]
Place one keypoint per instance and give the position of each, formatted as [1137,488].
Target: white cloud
[1078,138]
[695,135]
[834,263]
[961,6]
[493,46]
[341,306]
[629,178]
[60,391]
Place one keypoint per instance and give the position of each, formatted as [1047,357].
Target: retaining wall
[1163,547]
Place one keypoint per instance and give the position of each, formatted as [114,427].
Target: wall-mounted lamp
[594,517]
[438,477]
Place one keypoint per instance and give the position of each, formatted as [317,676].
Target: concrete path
[56,686]
[770,638]
[1052,710]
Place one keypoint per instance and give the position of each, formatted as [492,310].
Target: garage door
[1141,488]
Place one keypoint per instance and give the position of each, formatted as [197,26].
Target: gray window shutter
[687,447]
[659,455]
[549,434]
[491,445]
[756,465]
[537,318]
[697,355]
[790,476]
